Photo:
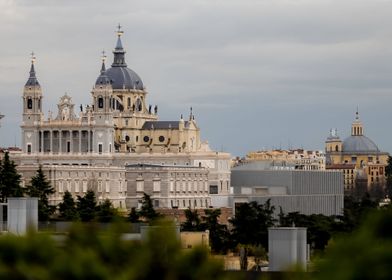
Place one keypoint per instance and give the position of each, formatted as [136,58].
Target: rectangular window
[77,186]
[99,186]
[100,148]
[61,190]
[68,146]
[172,186]
[107,186]
[213,189]
[157,186]
[139,186]
[29,148]
[84,186]
[156,203]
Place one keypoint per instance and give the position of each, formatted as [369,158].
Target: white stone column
[60,140]
[80,141]
[51,141]
[42,133]
[70,142]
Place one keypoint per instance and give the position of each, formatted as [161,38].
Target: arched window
[129,103]
[100,102]
[29,103]
[336,148]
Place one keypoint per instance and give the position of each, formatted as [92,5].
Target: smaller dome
[359,144]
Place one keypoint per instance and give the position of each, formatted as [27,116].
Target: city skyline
[258,75]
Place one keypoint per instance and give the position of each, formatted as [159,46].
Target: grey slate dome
[120,76]
[359,144]
[124,78]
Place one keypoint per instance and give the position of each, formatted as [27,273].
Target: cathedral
[360,159]
[117,142]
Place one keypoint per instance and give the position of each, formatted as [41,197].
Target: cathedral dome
[120,76]
[124,78]
[359,144]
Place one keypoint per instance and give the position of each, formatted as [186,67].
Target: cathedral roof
[162,124]
[359,144]
[119,74]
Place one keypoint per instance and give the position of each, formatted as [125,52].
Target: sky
[259,74]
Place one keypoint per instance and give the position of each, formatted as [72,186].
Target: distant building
[307,192]
[296,159]
[360,159]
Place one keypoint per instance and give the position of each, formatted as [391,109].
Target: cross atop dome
[119,31]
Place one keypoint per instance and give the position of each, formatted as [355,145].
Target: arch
[100,102]
[29,103]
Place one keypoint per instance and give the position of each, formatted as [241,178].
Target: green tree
[251,223]
[219,234]
[9,180]
[388,174]
[67,208]
[133,216]
[106,212]
[87,206]
[192,222]
[364,254]
[41,188]
[147,210]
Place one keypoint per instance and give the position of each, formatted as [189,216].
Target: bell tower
[103,113]
[356,126]
[32,112]
[32,97]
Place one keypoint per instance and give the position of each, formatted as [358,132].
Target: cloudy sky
[258,74]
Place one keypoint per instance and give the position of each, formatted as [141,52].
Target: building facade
[307,192]
[117,130]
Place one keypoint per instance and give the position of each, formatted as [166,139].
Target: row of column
[48,143]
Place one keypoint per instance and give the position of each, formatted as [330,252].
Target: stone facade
[116,130]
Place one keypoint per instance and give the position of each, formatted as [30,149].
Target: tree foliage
[133,216]
[147,210]
[192,222]
[88,253]
[67,208]
[106,212]
[10,179]
[41,188]
[364,254]
[87,206]
[251,223]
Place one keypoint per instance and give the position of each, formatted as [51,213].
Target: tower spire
[103,78]
[119,52]
[103,57]
[32,81]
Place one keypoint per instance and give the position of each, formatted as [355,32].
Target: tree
[364,254]
[106,212]
[147,210]
[251,223]
[388,174]
[67,208]
[218,233]
[133,216]
[9,180]
[41,188]
[192,222]
[87,206]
